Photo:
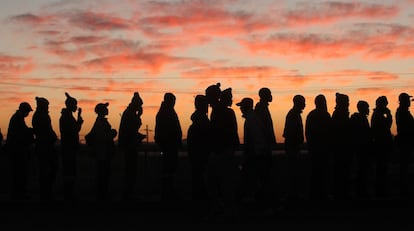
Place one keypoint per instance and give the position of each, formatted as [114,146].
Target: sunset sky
[104,50]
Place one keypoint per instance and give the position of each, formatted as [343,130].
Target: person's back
[341,142]
[199,147]
[362,148]
[168,132]
[42,124]
[340,122]
[168,136]
[45,147]
[360,128]
[318,136]
[381,122]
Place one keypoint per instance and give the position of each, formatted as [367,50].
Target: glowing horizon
[103,51]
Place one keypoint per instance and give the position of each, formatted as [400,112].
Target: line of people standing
[335,143]
[21,137]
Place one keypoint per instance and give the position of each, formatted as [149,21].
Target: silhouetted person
[341,144]
[1,142]
[69,129]
[101,139]
[168,136]
[45,149]
[262,111]
[318,138]
[404,140]
[362,144]
[199,142]
[294,138]
[222,169]
[254,167]
[381,122]
[1,139]
[129,140]
[19,139]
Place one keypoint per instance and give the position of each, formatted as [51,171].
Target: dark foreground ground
[147,210]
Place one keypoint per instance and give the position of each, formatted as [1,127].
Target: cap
[101,107]
[404,96]
[213,91]
[245,102]
[25,106]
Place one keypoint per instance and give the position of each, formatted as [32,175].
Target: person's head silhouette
[405,100]
[246,105]
[213,93]
[169,99]
[201,104]
[320,103]
[363,107]
[101,109]
[25,108]
[299,102]
[71,103]
[42,104]
[227,97]
[265,95]
[381,102]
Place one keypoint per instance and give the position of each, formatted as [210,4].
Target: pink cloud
[308,13]
[31,19]
[152,62]
[96,21]
[15,65]
[375,41]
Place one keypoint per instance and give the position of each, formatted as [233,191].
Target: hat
[101,107]
[24,106]
[226,94]
[404,97]
[70,100]
[136,99]
[341,99]
[41,102]
[245,102]
[213,91]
